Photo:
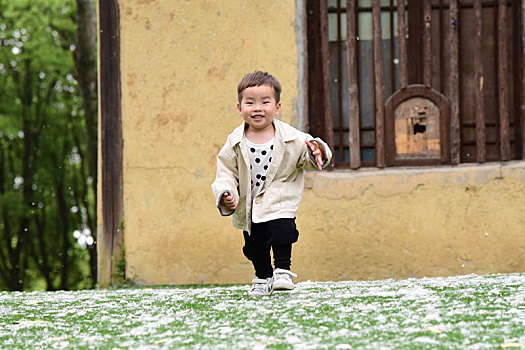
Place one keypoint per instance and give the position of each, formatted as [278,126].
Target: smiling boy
[260,180]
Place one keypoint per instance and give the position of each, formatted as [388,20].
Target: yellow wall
[180,65]
[400,223]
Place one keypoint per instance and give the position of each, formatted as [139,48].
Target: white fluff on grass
[481,312]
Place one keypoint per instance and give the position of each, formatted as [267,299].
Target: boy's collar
[282,130]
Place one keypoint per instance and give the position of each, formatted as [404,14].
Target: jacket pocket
[241,206]
[273,195]
[289,195]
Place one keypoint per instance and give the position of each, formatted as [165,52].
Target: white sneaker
[282,280]
[261,286]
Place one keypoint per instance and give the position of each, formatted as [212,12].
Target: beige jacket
[283,189]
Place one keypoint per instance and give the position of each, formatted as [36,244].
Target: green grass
[466,312]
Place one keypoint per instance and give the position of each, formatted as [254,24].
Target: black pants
[276,235]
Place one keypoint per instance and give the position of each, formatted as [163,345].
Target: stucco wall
[400,223]
[180,65]
[181,62]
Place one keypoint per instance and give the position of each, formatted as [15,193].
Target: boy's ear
[239,106]
[277,107]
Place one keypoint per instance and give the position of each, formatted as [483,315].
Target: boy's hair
[259,78]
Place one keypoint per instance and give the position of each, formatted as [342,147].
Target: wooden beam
[338,117]
[402,42]
[517,82]
[481,152]
[441,42]
[391,31]
[415,41]
[522,97]
[378,85]
[427,39]
[453,82]
[301,21]
[503,83]
[110,236]
[353,85]
[316,109]
[325,54]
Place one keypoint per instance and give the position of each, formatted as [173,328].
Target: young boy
[260,178]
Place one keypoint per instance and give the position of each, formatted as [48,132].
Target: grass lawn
[465,312]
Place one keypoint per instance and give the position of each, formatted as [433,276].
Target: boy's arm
[226,182]
[319,153]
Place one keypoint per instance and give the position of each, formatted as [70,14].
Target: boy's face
[258,107]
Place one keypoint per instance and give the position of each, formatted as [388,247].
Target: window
[416,82]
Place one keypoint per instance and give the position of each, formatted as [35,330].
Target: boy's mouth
[257,117]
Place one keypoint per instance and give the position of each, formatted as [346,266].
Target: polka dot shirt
[260,160]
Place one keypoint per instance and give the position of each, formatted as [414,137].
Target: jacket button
[257,201]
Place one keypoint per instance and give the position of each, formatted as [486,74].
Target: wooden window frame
[420,16]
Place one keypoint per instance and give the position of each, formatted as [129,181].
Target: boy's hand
[317,153]
[229,201]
